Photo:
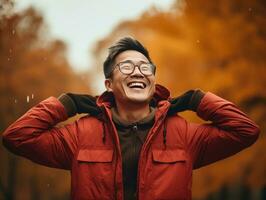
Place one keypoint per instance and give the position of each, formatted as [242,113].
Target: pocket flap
[95,155]
[169,155]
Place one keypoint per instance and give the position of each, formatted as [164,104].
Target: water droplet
[16,100]
[32,96]
[48,185]
[28,99]
[8,59]
[13,32]
[198,41]
[249,9]
[10,50]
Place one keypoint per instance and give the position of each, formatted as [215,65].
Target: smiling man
[133,145]
[132,83]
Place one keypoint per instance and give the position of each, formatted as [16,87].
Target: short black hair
[124,44]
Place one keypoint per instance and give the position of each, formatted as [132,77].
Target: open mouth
[139,85]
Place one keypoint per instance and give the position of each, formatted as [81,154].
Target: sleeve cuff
[195,99]
[69,104]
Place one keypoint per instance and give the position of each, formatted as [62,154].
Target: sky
[81,23]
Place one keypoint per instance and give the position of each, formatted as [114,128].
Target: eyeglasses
[128,68]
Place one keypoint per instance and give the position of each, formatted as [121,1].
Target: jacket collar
[161,93]
[145,122]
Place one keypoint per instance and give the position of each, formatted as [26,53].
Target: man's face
[135,87]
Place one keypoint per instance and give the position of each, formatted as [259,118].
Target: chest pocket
[96,164]
[169,155]
[95,155]
[95,173]
[169,174]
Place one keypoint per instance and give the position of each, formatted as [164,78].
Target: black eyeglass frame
[153,67]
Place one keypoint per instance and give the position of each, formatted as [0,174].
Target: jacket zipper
[118,150]
[142,152]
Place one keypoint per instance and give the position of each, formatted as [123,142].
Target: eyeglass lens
[128,68]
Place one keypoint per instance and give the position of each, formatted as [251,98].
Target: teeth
[137,84]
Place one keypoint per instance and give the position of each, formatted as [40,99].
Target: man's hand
[79,103]
[187,101]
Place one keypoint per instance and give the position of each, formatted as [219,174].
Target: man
[133,145]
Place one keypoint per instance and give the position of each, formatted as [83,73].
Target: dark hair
[124,44]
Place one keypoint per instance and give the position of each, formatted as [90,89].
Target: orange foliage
[32,68]
[218,46]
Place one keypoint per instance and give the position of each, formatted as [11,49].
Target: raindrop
[10,50]
[13,32]
[32,96]
[28,99]
[48,185]
[198,41]
[16,100]
[8,59]
[249,9]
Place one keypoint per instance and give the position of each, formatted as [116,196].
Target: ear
[108,85]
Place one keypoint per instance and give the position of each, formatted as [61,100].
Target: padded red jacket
[90,146]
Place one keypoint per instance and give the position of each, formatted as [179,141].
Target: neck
[132,112]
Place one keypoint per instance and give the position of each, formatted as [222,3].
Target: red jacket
[90,147]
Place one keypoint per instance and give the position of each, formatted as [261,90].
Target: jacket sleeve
[35,136]
[229,132]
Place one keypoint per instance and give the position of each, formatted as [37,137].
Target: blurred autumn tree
[218,46]
[32,68]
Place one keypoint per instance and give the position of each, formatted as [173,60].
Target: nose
[137,72]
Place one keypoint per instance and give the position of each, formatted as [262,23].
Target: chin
[137,96]
[139,99]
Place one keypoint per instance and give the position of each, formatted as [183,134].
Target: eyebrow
[131,61]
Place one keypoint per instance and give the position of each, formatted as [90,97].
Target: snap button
[135,128]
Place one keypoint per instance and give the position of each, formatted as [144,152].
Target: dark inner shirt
[132,137]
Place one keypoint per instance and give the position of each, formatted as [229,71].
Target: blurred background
[51,47]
